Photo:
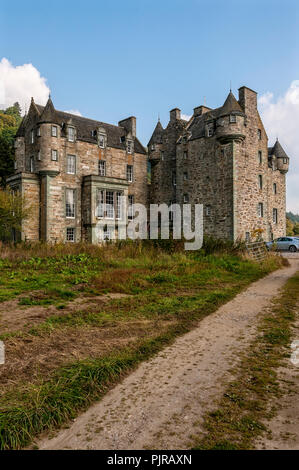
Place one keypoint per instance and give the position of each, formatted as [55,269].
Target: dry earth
[161,404]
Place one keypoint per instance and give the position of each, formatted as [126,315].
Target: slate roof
[277,150]
[84,127]
[156,138]
[230,106]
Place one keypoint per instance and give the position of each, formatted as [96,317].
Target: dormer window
[71,134]
[232,118]
[210,130]
[102,141]
[130,146]
[54,131]
[285,161]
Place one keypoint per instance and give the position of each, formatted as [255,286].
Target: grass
[165,292]
[246,404]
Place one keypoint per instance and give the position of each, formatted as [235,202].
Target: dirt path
[160,405]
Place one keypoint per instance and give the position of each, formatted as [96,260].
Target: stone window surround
[71,137]
[102,167]
[260,209]
[260,157]
[54,152]
[71,168]
[102,140]
[275,215]
[73,210]
[54,131]
[130,173]
[260,182]
[232,118]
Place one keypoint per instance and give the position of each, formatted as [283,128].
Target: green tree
[10,120]
[13,210]
[296,229]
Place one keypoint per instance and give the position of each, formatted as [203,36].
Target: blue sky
[111,59]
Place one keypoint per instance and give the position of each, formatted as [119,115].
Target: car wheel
[292,249]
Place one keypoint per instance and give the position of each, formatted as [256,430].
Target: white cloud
[281,119]
[186,117]
[20,83]
[74,111]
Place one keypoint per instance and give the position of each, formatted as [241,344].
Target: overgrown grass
[246,404]
[163,283]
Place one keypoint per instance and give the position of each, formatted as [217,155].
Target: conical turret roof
[278,151]
[231,105]
[156,137]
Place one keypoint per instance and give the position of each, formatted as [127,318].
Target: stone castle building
[74,171]
[220,158]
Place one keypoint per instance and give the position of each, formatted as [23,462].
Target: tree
[296,229]
[10,120]
[13,210]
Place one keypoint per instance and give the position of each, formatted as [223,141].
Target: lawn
[77,318]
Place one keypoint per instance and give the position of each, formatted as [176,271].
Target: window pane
[110,204]
[129,173]
[131,207]
[70,234]
[102,168]
[71,164]
[118,205]
[100,203]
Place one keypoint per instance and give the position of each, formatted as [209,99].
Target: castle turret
[278,155]
[155,144]
[230,121]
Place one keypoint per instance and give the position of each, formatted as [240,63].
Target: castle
[73,170]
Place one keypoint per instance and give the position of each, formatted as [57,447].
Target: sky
[108,60]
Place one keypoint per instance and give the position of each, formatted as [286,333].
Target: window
[107,233]
[185,176]
[70,203]
[54,131]
[232,118]
[71,134]
[260,178]
[153,147]
[260,209]
[54,155]
[129,146]
[131,207]
[285,161]
[118,205]
[100,203]
[208,210]
[32,164]
[70,234]
[162,156]
[173,178]
[15,165]
[186,198]
[130,173]
[102,168]
[274,188]
[71,165]
[247,237]
[32,136]
[38,131]
[39,156]
[110,204]
[260,156]
[102,141]
[275,216]
[185,155]
[259,134]
[210,131]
